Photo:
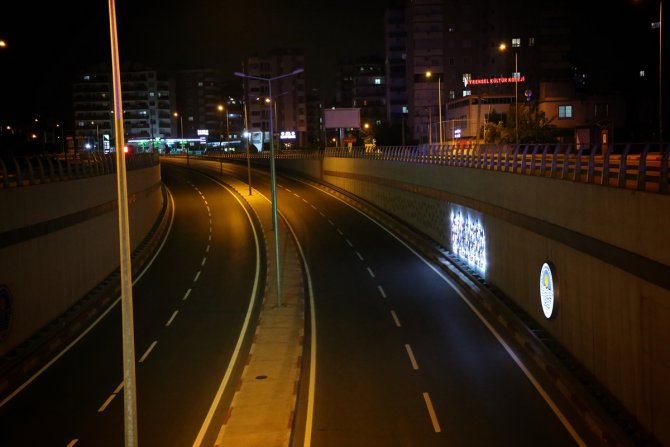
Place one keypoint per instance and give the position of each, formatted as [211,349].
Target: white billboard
[342,118]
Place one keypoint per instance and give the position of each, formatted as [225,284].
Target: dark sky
[49,41]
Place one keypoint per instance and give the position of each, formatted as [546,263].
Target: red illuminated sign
[488,81]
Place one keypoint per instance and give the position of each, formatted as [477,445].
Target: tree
[534,126]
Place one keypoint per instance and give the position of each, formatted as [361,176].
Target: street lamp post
[96,146]
[181,128]
[273,179]
[221,109]
[429,74]
[517,78]
[660,77]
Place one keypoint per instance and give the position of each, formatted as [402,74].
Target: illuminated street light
[181,127]
[503,47]
[97,136]
[221,109]
[429,74]
[3,44]
[272,166]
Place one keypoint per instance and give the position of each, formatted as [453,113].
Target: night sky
[50,41]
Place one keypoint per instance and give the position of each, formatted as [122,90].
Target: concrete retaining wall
[61,239]
[609,249]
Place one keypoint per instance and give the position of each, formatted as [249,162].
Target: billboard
[342,118]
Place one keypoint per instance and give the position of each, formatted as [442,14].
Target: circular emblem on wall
[548,293]
[5,311]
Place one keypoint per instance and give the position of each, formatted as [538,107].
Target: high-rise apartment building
[288,101]
[147,102]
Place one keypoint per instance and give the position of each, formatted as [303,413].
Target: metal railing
[638,166]
[40,169]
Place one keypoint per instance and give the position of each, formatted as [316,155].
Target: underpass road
[189,308]
[401,359]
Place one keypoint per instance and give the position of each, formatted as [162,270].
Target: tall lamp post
[503,47]
[129,396]
[96,146]
[429,74]
[221,109]
[181,128]
[273,178]
[660,77]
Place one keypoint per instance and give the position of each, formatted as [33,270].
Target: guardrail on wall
[39,169]
[639,166]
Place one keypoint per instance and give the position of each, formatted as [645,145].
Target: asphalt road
[401,358]
[189,309]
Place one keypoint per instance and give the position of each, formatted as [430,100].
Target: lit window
[467,77]
[516,42]
[531,41]
[565,111]
[642,73]
[467,93]
[405,109]
[378,81]
[200,84]
[452,94]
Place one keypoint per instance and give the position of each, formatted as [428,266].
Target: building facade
[147,102]
[288,100]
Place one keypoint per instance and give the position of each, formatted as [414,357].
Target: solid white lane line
[309,417]
[360,256]
[431,412]
[197,275]
[370,272]
[171,318]
[395,318]
[531,378]
[381,291]
[188,292]
[203,261]
[73,442]
[349,242]
[107,402]
[415,365]
[238,346]
[146,354]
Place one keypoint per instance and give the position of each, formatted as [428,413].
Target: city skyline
[47,50]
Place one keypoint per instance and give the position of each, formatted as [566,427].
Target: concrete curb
[263,406]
